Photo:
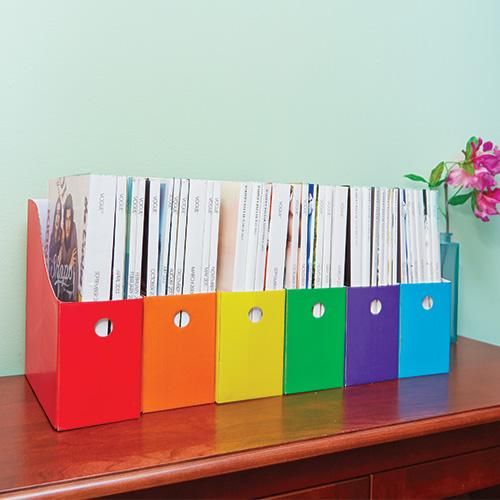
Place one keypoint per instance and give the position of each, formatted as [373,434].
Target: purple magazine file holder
[372,340]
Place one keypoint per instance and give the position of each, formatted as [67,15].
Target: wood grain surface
[182,445]
[332,469]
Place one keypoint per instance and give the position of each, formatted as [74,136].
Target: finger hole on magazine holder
[182,319]
[427,303]
[375,307]
[255,314]
[103,327]
[318,310]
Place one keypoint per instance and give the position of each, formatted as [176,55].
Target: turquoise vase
[450,251]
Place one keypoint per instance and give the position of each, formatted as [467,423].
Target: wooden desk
[428,436]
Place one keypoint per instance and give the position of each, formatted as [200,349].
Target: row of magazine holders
[235,346]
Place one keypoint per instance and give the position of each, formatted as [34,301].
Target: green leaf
[473,200]
[459,199]
[442,181]
[468,149]
[436,174]
[468,166]
[417,178]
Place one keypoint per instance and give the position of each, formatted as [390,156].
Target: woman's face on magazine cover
[68,219]
[57,223]
[58,214]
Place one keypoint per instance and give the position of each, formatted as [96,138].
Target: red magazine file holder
[79,378]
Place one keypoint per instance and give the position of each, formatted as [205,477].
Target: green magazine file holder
[314,339]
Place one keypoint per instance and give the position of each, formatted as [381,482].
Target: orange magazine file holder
[178,362]
[79,378]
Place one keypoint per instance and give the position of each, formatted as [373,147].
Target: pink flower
[487,146]
[480,180]
[475,145]
[490,161]
[485,155]
[486,204]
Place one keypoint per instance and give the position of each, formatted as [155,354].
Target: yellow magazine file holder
[250,343]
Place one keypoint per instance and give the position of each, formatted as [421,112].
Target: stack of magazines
[282,235]
[394,237]
[317,236]
[114,237]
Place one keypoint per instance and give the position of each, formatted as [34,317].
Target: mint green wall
[331,91]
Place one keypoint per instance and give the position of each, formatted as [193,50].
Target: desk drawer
[441,478]
[355,488]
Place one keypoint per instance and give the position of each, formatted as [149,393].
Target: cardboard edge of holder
[79,378]
[424,330]
[178,351]
[250,343]
[314,339]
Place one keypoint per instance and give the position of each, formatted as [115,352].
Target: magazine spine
[214,236]
[180,252]
[120,236]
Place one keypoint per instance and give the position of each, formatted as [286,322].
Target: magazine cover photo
[67,203]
